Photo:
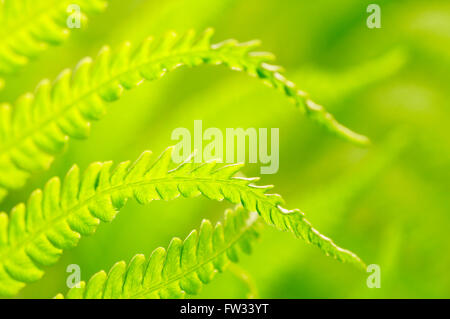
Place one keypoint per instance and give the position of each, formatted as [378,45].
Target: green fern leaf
[27,27]
[183,269]
[40,124]
[54,219]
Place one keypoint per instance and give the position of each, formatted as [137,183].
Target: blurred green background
[388,203]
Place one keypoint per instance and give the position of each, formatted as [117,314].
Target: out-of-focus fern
[54,219]
[41,123]
[246,279]
[27,27]
[183,269]
[327,86]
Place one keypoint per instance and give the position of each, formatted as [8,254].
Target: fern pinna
[54,219]
[27,27]
[40,124]
[183,269]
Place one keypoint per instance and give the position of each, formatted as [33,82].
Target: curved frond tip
[181,269]
[40,124]
[54,219]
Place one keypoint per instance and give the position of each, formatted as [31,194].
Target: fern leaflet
[184,268]
[40,124]
[54,219]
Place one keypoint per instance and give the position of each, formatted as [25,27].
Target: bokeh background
[389,203]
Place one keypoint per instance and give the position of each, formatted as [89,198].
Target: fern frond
[54,219]
[183,269]
[27,27]
[40,124]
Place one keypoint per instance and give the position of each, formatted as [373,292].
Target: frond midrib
[110,190]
